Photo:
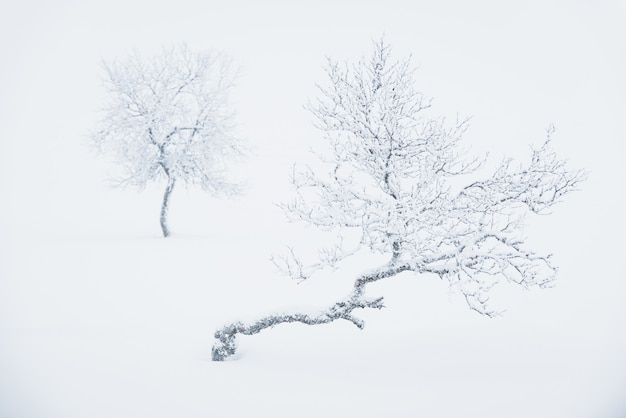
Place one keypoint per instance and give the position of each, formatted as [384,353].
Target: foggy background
[515,68]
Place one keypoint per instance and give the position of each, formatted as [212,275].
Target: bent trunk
[226,344]
[165,206]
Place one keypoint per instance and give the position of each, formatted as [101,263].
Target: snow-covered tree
[401,179]
[168,118]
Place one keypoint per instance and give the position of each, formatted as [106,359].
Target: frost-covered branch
[292,266]
[226,338]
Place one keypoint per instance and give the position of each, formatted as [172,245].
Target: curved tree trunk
[226,344]
[165,206]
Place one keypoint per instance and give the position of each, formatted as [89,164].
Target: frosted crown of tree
[393,174]
[168,117]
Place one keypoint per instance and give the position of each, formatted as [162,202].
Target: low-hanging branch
[226,344]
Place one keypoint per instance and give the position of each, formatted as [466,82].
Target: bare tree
[168,118]
[400,179]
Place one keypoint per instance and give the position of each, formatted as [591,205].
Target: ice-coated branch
[226,338]
[292,266]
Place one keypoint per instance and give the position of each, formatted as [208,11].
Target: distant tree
[400,179]
[168,118]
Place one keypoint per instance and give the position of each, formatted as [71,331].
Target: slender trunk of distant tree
[165,206]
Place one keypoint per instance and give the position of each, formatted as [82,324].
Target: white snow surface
[101,317]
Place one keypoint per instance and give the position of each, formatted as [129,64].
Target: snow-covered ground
[100,317]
